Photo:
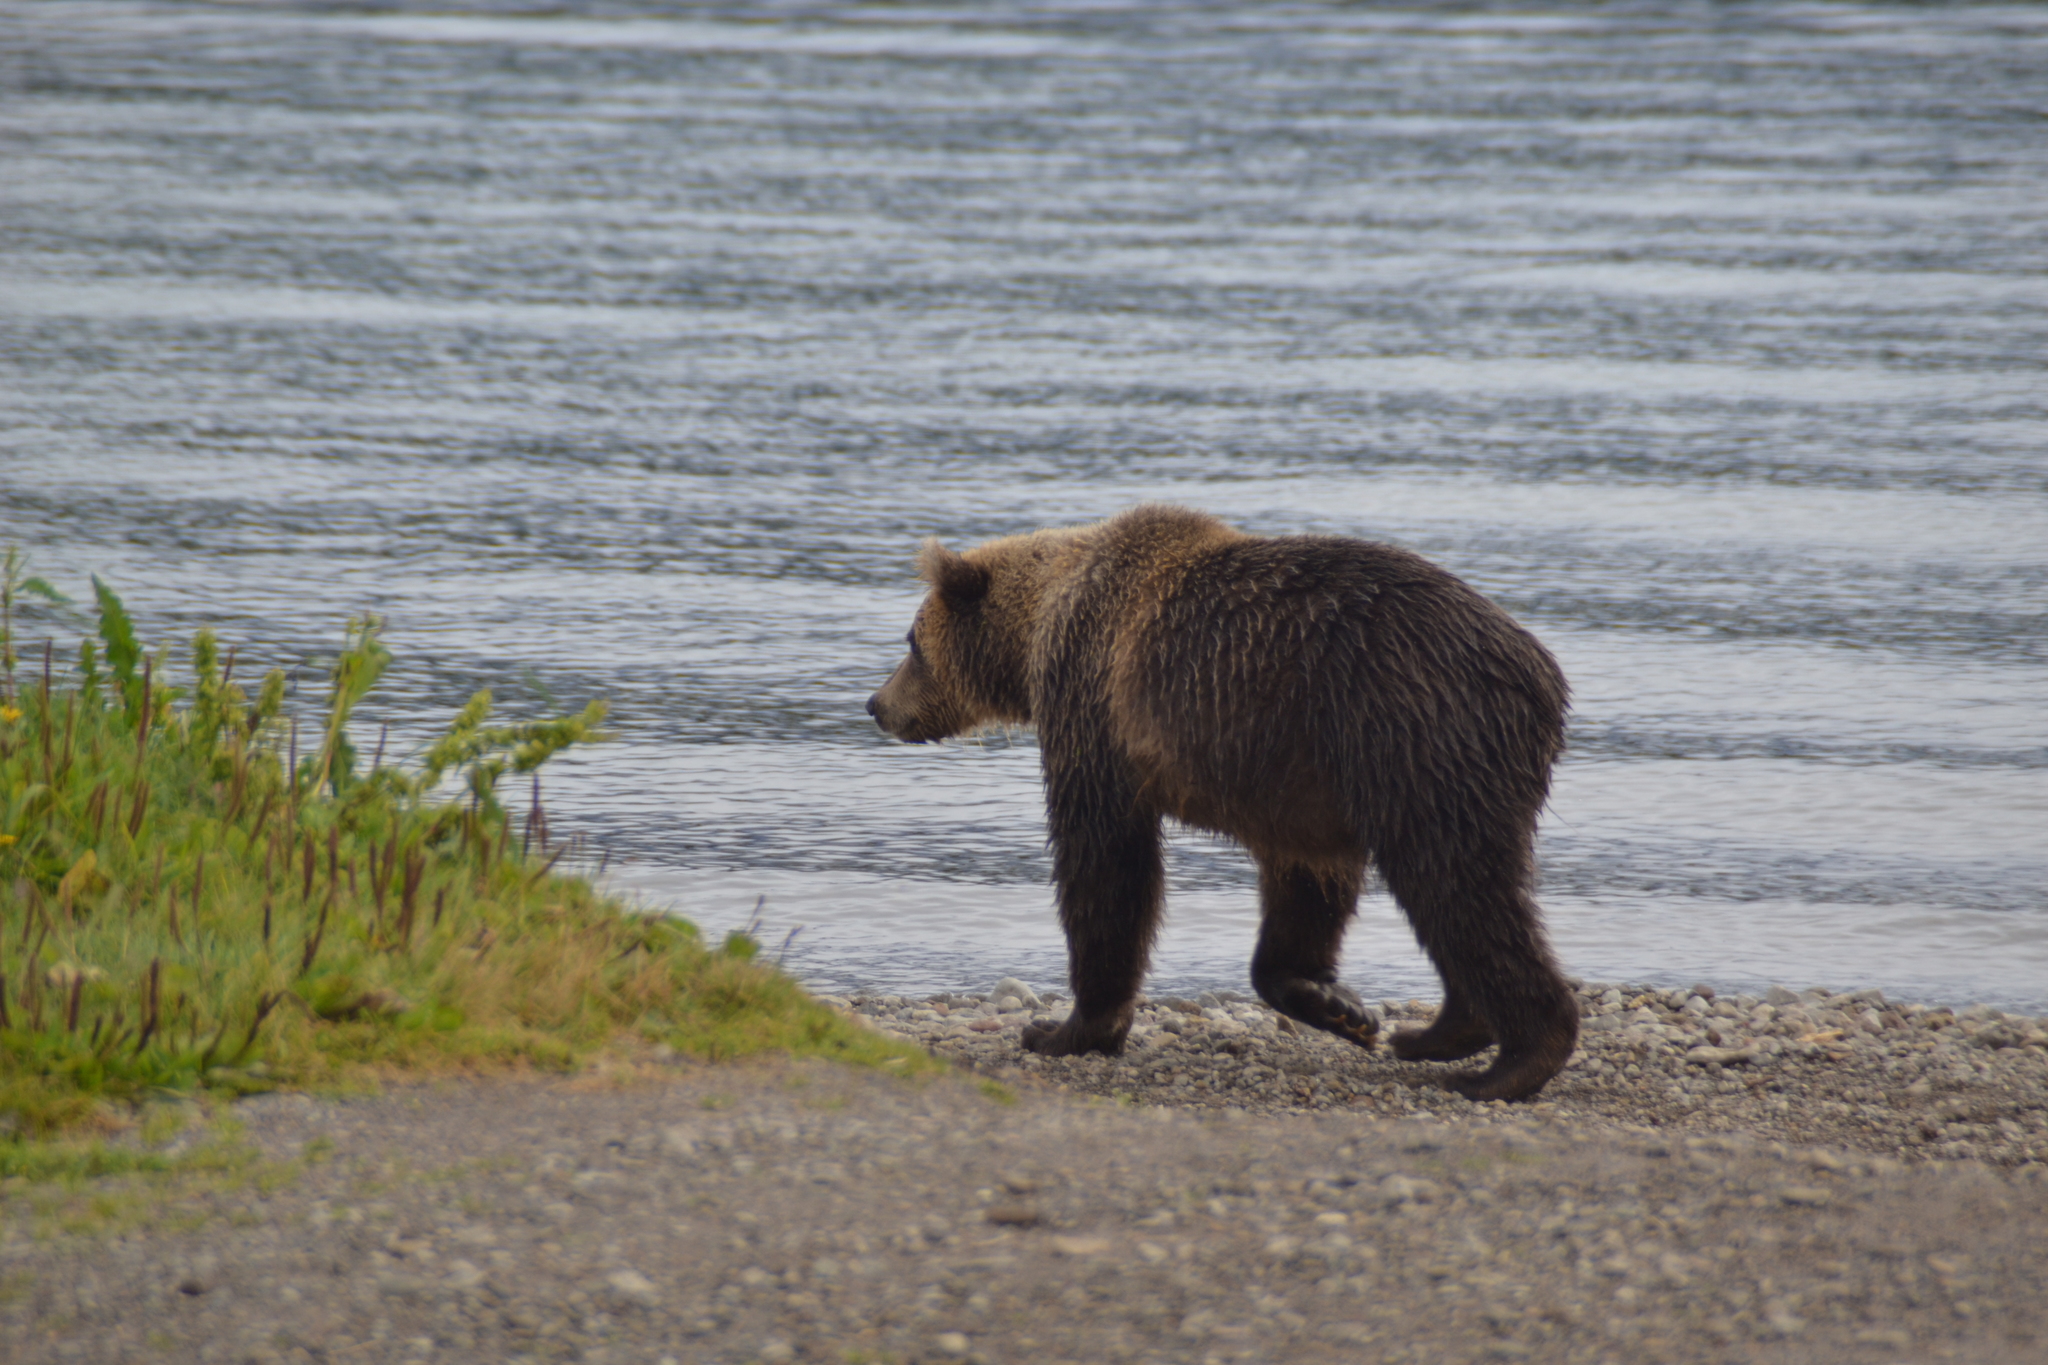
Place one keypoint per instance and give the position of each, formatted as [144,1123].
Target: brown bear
[1330,704]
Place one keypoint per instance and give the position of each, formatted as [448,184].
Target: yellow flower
[6,839]
[9,714]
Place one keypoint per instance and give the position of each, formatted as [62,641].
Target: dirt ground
[801,1212]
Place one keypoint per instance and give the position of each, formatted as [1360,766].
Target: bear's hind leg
[1480,926]
[1456,1033]
[1303,915]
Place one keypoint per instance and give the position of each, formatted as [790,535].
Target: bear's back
[1350,673]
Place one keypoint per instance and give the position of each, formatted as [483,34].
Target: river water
[628,351]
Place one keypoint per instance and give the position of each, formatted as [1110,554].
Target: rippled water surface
[628,351]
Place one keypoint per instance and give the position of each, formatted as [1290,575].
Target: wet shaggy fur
[1330,704]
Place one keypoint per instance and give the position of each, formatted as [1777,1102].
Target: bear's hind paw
[1515,1081]
[1431,1045]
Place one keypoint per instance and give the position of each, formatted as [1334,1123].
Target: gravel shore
[1268,1198]
[1851,1069]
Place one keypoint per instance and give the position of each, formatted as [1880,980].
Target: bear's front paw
[1327,1005]
[1345,1015]
[1073,1036]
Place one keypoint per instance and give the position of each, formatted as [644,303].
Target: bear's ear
[958,581]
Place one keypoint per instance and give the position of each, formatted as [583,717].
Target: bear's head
[966,667]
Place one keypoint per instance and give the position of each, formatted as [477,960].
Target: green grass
[67,1188]
[201,891]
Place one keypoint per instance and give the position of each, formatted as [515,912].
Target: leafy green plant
[188,900]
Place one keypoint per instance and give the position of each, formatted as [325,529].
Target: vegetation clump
[199,890]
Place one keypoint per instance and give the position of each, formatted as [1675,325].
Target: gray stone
[1012,1214]
[1010,985]
[630,1286]
[401,1286]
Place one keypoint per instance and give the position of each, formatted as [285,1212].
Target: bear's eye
[911,640]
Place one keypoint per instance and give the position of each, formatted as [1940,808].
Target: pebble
[1012,1215]
[1015,989]
[633,1287]
[1081,1247]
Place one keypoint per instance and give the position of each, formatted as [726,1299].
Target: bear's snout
[890,714]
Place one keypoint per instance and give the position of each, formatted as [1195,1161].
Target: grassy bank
[201,889]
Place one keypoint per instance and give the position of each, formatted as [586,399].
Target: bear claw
[1361,1029]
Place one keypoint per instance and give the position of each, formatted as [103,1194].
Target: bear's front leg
[1111,883]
